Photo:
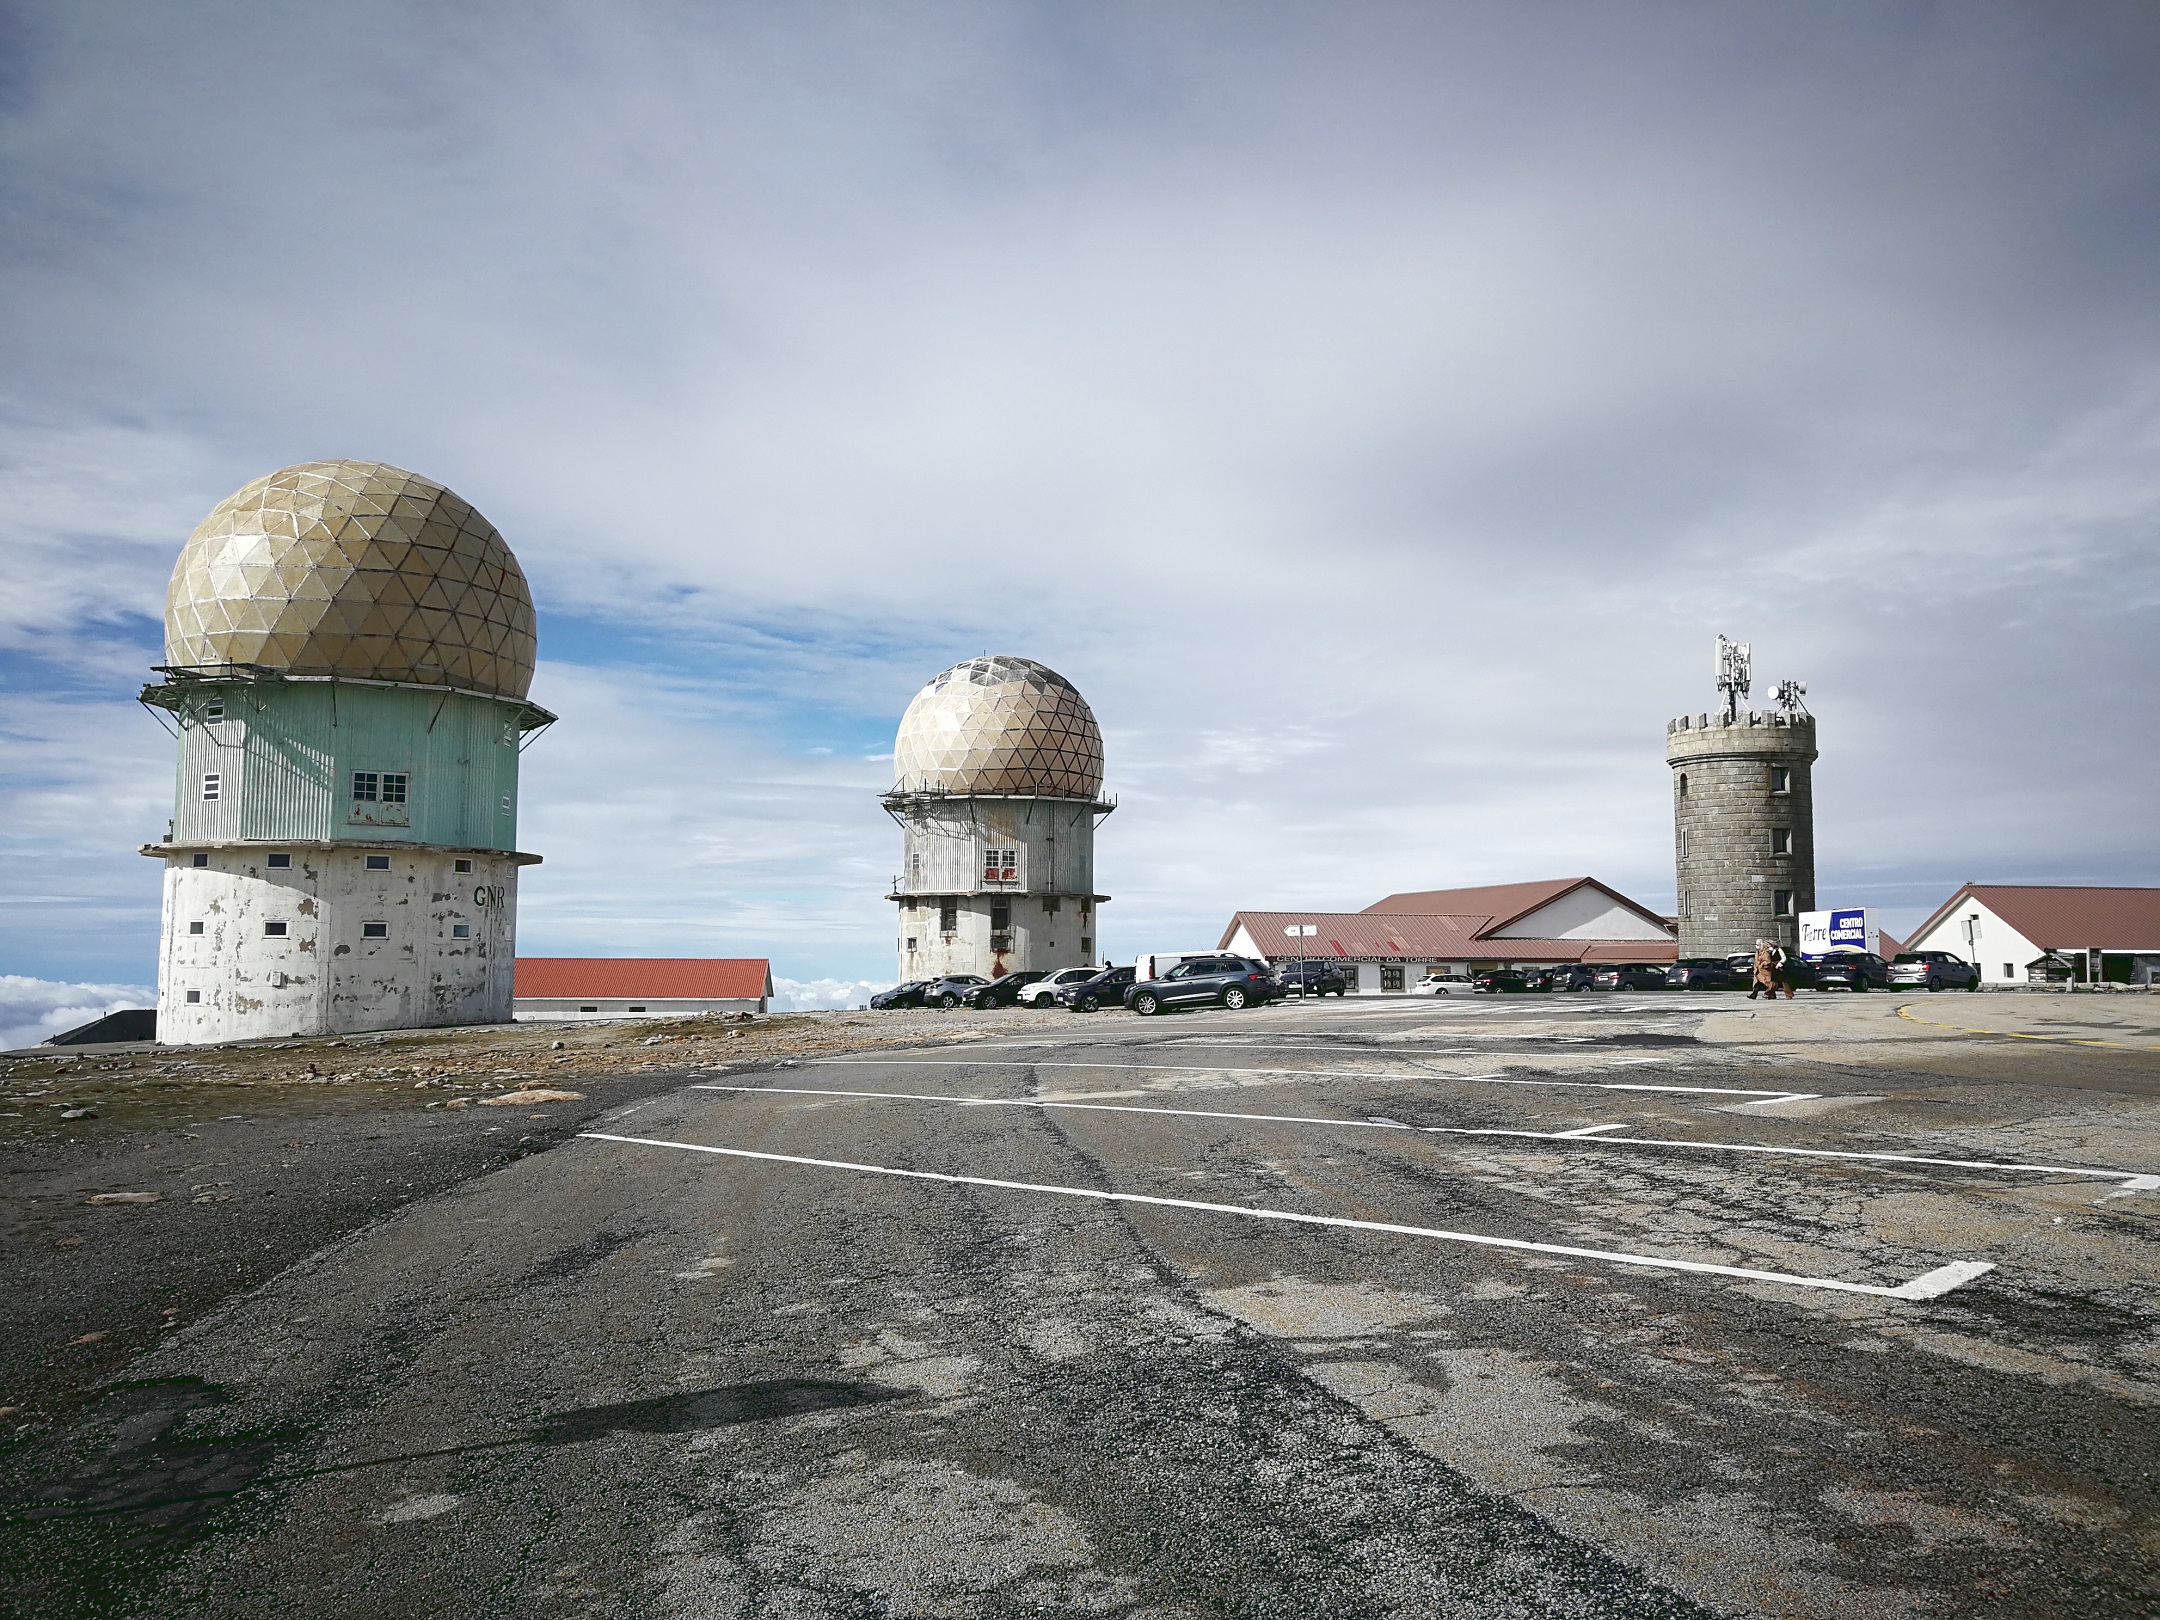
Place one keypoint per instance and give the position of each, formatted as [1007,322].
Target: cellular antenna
[1734,664]
[1790,695]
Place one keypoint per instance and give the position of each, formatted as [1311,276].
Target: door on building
[1391,977]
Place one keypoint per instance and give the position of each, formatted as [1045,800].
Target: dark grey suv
[1314,978]
[1108,985]
[1223,981]
[1938,970]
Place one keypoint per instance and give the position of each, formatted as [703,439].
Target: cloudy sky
[1376,410]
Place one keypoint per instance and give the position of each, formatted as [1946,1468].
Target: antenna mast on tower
[1734,664]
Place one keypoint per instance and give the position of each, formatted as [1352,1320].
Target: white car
[1446,984]
[1043,992]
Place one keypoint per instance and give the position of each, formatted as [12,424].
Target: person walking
[1764,980]
[1781,976]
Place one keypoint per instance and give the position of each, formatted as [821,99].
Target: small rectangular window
[280,860]
[2009,970]
[214,710]
[1001,917]
[393,787]
[588,1009]
[948,916]
[634,1009]
[273,930]
[211,783]
[194,997]
[378,930]
[198,860]
[378,863]
[1087,946]
[506,804]
[194,927]
[366,786]
[1780,779]
[1781,902]
[1781,840]
[911,943]
[461,865]
[1001,866]
[461,930]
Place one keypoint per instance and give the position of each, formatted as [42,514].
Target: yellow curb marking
[2014,1035]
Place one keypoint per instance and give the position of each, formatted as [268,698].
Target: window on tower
[1683,784]
[1001,866]
[280,858]
[1780,779]
[393,787]
[194,927]
[366,786]
[948,916]
[1781,902]
[1781,840]
[461,866]
[273,930]
[198,860]
[375,930]
[1001,917]
[212,785]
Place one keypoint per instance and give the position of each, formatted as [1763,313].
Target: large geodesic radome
[999,725]
[353,568]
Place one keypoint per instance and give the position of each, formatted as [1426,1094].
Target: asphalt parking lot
[1599,1305]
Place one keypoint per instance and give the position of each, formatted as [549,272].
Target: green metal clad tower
[348,647]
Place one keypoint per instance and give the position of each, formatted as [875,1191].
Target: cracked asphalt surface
[623,1377]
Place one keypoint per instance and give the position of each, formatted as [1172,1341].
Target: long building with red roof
[1393,942]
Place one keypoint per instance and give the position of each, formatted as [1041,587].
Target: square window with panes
[213,784]
[1001,866]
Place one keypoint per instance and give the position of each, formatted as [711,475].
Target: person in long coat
[1765,980]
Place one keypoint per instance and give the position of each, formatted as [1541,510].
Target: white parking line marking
[1926,1286]
[1589,1135]
[1314,1074]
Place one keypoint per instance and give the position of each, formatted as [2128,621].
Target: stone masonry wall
[1725,812]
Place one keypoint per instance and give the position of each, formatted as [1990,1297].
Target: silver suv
[1938,970]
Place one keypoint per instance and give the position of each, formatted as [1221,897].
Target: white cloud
[31,1010]
[794,995]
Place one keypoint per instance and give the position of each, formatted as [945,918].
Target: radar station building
[348,647]
[1743,815]
[998,772]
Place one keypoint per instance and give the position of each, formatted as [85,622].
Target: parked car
[1502,982]
[1539,980]
[1800,972]
[1312,977]
[1631,976]
[1707,973]
[1229,981]
[1108,985]
[1852,970]
[1938,970]
[901,995]
[1574,976]
[951,990]
[1043,992]
[1004,991]
[1446,984]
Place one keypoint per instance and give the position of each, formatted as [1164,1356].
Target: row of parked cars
[1222,981]
[1840,970]
[1237,981]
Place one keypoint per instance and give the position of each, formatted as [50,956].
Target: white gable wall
[1583,913]
[2000,951]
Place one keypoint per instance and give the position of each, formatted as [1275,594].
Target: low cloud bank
[31,1010]
[821,995]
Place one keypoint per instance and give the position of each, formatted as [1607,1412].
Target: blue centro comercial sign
[1847,930]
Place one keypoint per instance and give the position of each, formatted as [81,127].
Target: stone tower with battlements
[1743,815]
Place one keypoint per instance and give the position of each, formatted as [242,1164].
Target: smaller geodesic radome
[355,569]
[999,726]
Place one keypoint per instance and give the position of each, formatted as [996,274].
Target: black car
[1539,980]
[1937,970]
[1228,981]
[901,995]
[1004,992]
[1502,982]
[1312,978]
[1108,985]
[1852,970]
[1705,973]
[1573,976]
[952,990]
[1631,976]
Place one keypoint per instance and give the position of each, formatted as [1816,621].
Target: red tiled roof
[1508,903]
[2065,918]
[1364,935]
[662,978]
